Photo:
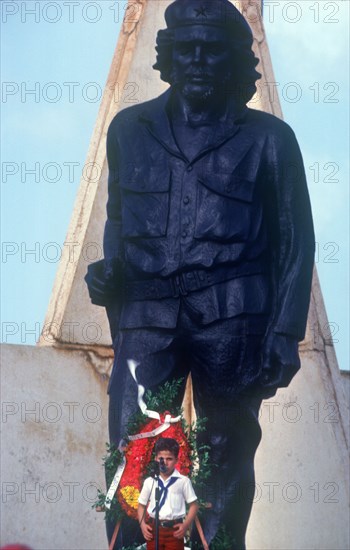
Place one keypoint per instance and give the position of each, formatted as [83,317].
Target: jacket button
[186,200]
[189,168]
[184,234]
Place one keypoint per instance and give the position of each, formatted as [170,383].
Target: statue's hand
[103,279]
[280,362]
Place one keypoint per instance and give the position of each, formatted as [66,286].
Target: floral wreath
[128,465]
[138,454]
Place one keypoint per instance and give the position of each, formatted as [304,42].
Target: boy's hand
[180,530]
[146,531]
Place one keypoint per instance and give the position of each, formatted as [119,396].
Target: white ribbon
[114,485]
[168,420]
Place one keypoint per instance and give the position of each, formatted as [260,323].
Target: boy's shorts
[167,541]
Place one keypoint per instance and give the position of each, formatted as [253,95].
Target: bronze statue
[208,247]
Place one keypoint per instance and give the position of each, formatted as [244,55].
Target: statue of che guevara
[208,247]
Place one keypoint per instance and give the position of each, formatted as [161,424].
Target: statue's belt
[186,282]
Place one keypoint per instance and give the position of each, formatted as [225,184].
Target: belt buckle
[179,286]
[175,286]
[166,524]
[198,281]
[182,285]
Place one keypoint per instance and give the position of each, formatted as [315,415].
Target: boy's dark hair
[167,444]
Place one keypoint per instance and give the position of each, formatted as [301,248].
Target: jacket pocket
[145,201]
[224,207]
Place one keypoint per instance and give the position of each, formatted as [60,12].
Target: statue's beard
[201,93]
[194,93]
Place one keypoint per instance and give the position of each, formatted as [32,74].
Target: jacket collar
[156,118]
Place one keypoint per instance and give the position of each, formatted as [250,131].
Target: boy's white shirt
[179,494]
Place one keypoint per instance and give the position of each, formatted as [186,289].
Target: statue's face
[201,61]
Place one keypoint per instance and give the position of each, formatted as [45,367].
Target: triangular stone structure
[302,496]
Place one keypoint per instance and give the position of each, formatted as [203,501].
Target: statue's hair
[244,74]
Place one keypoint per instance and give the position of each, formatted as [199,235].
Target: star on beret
[201,11]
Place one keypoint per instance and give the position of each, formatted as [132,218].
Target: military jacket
[241,202]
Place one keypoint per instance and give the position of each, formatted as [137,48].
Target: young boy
[175,492]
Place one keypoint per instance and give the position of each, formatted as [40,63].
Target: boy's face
[169,461]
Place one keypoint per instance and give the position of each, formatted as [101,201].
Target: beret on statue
[213,13]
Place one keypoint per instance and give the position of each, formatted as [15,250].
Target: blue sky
[62,52]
